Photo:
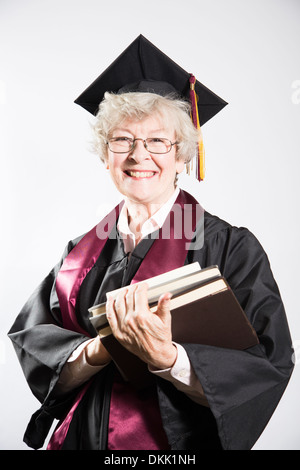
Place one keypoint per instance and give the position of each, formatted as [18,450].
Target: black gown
[243,388]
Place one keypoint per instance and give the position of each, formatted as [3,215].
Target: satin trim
[77,265]
[134,419]
[59,435]
[170,250]
[69,279]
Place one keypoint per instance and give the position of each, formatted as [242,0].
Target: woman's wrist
[166,360]
[96,354]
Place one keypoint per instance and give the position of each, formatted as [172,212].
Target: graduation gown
[242,388]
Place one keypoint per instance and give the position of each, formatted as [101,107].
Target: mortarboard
[143,67]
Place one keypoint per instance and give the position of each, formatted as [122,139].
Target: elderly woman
[198,396]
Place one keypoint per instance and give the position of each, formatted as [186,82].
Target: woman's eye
[122,139]
[155,140]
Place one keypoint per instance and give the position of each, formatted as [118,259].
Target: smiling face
[142,177]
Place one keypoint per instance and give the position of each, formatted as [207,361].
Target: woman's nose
[139,151]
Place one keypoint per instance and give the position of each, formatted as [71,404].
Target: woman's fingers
[120,307]
[163,307]
[143,332]
[110,312]
[129,299]
[141,298]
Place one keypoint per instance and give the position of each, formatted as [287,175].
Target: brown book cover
[208,314]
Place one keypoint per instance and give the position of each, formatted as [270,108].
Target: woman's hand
[144,333]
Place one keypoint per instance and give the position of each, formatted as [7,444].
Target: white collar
[152,224]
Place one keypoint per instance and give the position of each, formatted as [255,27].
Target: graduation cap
[142,67]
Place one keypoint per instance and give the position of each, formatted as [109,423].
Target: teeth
[141,174]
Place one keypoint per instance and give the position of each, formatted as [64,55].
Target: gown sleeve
[43,346]
[243,388]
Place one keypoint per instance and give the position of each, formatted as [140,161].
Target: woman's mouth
[140,174]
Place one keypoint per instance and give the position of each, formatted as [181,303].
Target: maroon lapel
[77,265]
[170,249]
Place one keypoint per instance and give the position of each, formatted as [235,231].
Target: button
[182,373]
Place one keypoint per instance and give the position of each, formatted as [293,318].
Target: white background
[53,188]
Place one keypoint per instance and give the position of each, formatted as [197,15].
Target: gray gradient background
[53,188]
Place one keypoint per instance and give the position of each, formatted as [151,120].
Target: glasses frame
[129,139]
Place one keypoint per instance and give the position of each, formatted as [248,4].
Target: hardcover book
[204,311]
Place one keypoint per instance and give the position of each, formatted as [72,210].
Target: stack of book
[204,311]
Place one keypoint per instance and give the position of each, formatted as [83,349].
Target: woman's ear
[180,166]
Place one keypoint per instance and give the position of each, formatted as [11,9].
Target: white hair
[114,109]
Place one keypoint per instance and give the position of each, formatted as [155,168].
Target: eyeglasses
[153,144]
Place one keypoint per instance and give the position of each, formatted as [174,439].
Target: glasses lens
[153,144]
[158,145]
[120,144]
